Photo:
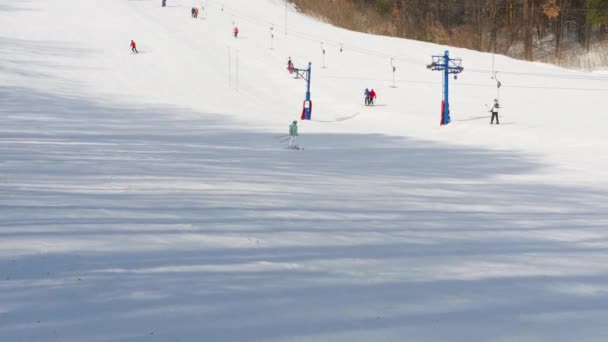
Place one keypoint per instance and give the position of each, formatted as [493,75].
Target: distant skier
[164,3]
[290,67]
[236,32]
[133,46]
[293,133]
[372,97]
[192,12]
[366,97]
[494,112]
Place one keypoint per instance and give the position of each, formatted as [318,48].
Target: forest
[548,30]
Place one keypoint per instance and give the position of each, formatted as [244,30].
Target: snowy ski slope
[149,197]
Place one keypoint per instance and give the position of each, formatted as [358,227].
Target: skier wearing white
[293,133]
[494,112]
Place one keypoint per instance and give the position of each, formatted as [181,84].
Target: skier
[133,46]
[164,3]
[494,112]
[293,133]
[290,66]
[366,97]
[192,12]
[195,12]
[236,32]
[372,97]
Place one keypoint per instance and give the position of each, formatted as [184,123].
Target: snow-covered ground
[147,197]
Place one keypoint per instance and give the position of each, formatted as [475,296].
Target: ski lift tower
[307,108]
[448,66]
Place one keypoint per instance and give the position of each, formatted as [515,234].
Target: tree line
[527,29]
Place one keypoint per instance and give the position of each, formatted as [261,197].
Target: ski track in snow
[146,198]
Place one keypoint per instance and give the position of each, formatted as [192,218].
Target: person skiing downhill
[236,32]
[293,133]
[366,97]
[192,12]
[372,97]
[133,46]
[494,112]
[290,65]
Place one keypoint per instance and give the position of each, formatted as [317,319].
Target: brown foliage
[347,14]
[541,27]
[551,9]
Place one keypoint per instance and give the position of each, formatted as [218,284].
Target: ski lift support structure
[449,66]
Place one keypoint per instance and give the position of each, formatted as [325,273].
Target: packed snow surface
[150,196]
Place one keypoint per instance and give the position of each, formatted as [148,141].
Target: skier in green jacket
[293,133]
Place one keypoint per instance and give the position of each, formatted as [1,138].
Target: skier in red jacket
[372,96]
[236,32]
[133,46]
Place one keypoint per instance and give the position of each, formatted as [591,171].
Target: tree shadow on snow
[139,223]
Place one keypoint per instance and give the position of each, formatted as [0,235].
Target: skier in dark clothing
[494,112]
[192,12]
[133,46]
[366,97]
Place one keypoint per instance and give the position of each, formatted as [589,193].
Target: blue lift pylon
[307,107]
[448,66]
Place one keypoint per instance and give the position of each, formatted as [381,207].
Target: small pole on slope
[323,52]
[498,85]
[286,10]
[394,69]
[229,69]
[237,69]
[204,9]
[272,37]
[495,74]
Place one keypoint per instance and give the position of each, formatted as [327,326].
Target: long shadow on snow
[76,173]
